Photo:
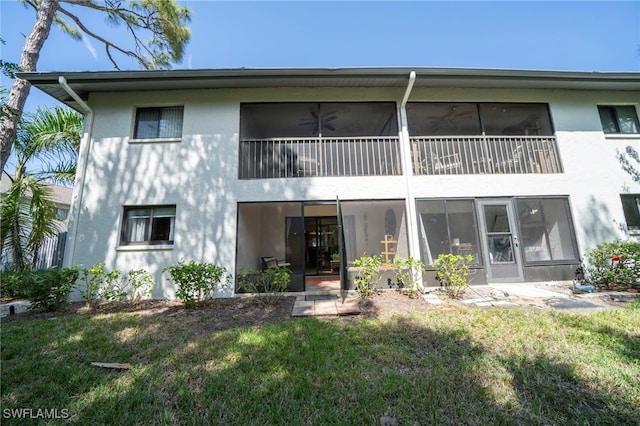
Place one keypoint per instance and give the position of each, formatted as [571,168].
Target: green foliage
[269,284]
[452,272]
[368,274]
[197,282]
[46,289]
[113,286]
[11,285]
[139,285]
[409,274]
[45,149]
[50,287]
[614,264]
[94,277]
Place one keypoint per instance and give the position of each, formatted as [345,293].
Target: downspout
[405,144]
[81,172]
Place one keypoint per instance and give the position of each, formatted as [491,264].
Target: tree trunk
[28,61]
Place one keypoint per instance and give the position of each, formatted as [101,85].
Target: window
[619,119]
[61,213]
[545,230]
[158,123]
[448,226]
[148,225]
[631,208]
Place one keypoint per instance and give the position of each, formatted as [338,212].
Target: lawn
[466,366]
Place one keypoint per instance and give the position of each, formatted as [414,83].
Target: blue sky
[551,35]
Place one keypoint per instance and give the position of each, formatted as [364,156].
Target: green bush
[614,265]
[409,275]
[368,274]
[98,283]
[14,284]
[46,289]
[138,285]
[452,272]
[113,286]
[49,288]
[197,282]
[269,284]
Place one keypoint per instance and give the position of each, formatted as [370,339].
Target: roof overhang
[87,82]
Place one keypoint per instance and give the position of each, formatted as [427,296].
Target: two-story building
[524,170]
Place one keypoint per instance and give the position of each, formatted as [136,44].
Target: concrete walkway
[333,305]
[558,296]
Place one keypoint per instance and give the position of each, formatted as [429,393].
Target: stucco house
[524,170]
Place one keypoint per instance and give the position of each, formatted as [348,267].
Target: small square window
[158,123]
[631,208]
[619,119]
[148,225]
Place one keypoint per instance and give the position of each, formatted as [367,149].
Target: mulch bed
[232,312]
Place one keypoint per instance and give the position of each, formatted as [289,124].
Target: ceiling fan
[320,122]
[449,119]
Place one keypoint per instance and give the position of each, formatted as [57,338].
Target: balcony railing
[485,154]
[305,157]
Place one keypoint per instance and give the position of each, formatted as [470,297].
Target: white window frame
[154,212]
[134,131]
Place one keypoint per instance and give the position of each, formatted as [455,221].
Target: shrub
[368,274]
[269,284]
[100,284]
[112,287]
[409,275]
[139,284]
[14,283]
[614,264]
[452,271]
[49,288]
[197,282]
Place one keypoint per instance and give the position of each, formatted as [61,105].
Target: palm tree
[46,150]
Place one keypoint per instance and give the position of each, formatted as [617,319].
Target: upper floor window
[631,208]
[619,119]
[158,123]
[466,119]
[148,225]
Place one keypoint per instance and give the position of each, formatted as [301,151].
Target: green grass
[496,366]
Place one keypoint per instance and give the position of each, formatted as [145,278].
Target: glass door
[321,236]
[502,251]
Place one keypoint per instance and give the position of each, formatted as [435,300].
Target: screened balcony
[287,140]
[485,154]
[477,138]
[307,157]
